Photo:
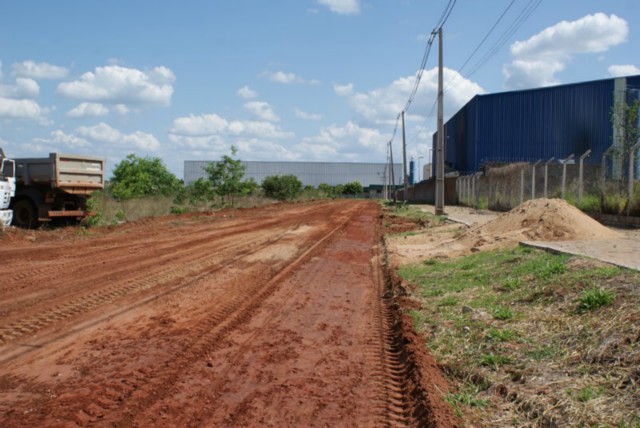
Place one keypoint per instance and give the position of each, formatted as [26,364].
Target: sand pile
[539,220]
[535,220]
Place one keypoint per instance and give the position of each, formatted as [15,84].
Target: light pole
[419,170]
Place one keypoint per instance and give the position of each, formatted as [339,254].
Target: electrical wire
[522,17]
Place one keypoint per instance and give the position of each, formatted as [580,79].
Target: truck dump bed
[75,174]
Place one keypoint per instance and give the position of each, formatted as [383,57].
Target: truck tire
[25,214]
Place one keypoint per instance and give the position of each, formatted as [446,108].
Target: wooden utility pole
[440,148]
[404,163]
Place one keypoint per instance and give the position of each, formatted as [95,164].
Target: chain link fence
[609,187]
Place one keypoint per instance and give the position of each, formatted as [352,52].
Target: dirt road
[269,317]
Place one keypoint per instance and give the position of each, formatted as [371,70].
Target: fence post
[564,174]
[476,194]
[632,155]
[580,183]
[533,179]
[521,185]
[603,174]
[546,175]
[468,190]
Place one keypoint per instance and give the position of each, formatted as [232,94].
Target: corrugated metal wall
[532,124]
[309,173]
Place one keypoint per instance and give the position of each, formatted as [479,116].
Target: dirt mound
[545,220]
[535,220]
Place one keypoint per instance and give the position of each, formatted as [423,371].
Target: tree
[135,177]
[353,188]
[282,187]
[624,119]
[226,177]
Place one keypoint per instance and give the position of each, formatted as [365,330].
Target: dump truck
[7,188]
[56,187]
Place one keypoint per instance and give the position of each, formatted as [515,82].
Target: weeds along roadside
[529,338]
[107,210]
[533,337]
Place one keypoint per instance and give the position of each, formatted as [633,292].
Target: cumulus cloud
[70,140]
[282,77]
[382,105]
[21,109]
[198,130]
[343,7]
[23,88]
[350,142]
[247,93]
[623,70]
[120,85]
[307,116]
[39,70]
[343,90]
[537,59]
[88,110]
[262,111]
[103,133]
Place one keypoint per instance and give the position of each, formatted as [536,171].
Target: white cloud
[212,132]
[532,73]
[69,140]
[120,85]
[537,59]
[23,88]
[382,105]
[247,93]
[88,110]
[121,109]
[21,109]
[307,116]
[262,111]
[343,7]
[623,70]
[39,70]
[343,90]
[350,142]
[282,77]
[104,133]
[201,125]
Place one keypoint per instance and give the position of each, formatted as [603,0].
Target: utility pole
[393,177]
[404,163]
[440,149]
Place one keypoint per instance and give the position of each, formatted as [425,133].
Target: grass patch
[509,317]
[594,298]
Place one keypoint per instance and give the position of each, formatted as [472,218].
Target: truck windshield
[7,168]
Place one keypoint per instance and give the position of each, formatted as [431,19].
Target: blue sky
[312,80]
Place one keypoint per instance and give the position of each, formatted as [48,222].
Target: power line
[522,17]
[443,19]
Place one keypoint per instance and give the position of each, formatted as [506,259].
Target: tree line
[137,177]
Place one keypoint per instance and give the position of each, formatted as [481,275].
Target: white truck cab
[7,188]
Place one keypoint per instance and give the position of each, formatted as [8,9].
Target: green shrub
[594,298]
[282,187]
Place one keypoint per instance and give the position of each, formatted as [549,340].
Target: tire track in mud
[127,376]
[114,268]
[237,310]
[142,282]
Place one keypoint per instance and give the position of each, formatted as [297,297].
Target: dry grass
[110,211]
[510,330]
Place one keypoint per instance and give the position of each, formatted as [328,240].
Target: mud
[278,316]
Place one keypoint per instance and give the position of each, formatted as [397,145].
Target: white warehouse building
[309,173]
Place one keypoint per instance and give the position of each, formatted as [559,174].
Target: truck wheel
[25,215]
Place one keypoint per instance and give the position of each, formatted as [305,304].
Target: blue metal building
[533,124]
